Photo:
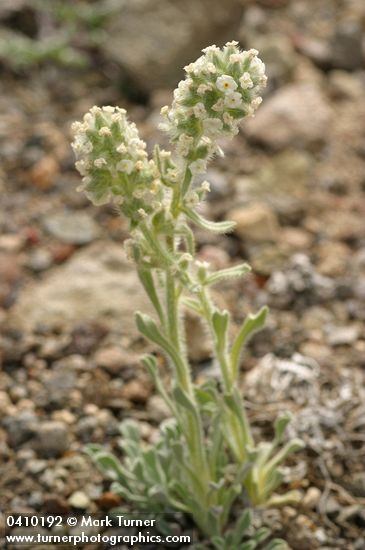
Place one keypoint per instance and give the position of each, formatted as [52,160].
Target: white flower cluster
[113,162]
[220,89]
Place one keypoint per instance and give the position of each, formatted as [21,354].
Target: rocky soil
[294,181]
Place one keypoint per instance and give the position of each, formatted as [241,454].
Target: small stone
[158,409]
[114,359]
[44,172]
[55,504]
[79,500]
[108,500]
[21,427]
[72,227]
[136,390]
[332,507]
[296,115]
[256,222]
[311,498]
[35,466]
[295,238]
[343,336]
[59,385]
[40,260]
[52,439]
[332,258]
[11,242]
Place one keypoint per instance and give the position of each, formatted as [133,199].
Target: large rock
[97,283]
[296,115]
[153,39]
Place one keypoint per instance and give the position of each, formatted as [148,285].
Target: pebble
[44,172]
[79,499]
[158,409]
[76,228]
[311,498]
[52,438]
[341,336]
[20,427]
[136,390]
[256,222]
[114,359]
[40,260]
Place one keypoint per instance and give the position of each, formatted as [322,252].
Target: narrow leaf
[252,324]
[215,227]
[229,273]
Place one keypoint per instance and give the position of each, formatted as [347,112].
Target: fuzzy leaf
[252,324]
[229,273]
[280,426]
[277,544]
[147,326]
[192,303]
[220,322]
[215,227]
[147,281]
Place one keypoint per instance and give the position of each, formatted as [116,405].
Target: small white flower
[233,100]
[246,81]
[199,110]
[199,166]
[192,199]
[257,67]
[256,102]
[142,213]
[184,144]
[203,88]
[263,81]
[211,68]
[164,110]
[89,120]
[189,68]
[211,49]
[226,83]
[218,106]
[122,149]
[205,186]
[125,166]
[82,166]
[77,127]
[232,43]
[228,119]
[117,117]
[94,110]
[235,58]
[252,53]
[104,131]
[172,175]
[108,109]
[100,162]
